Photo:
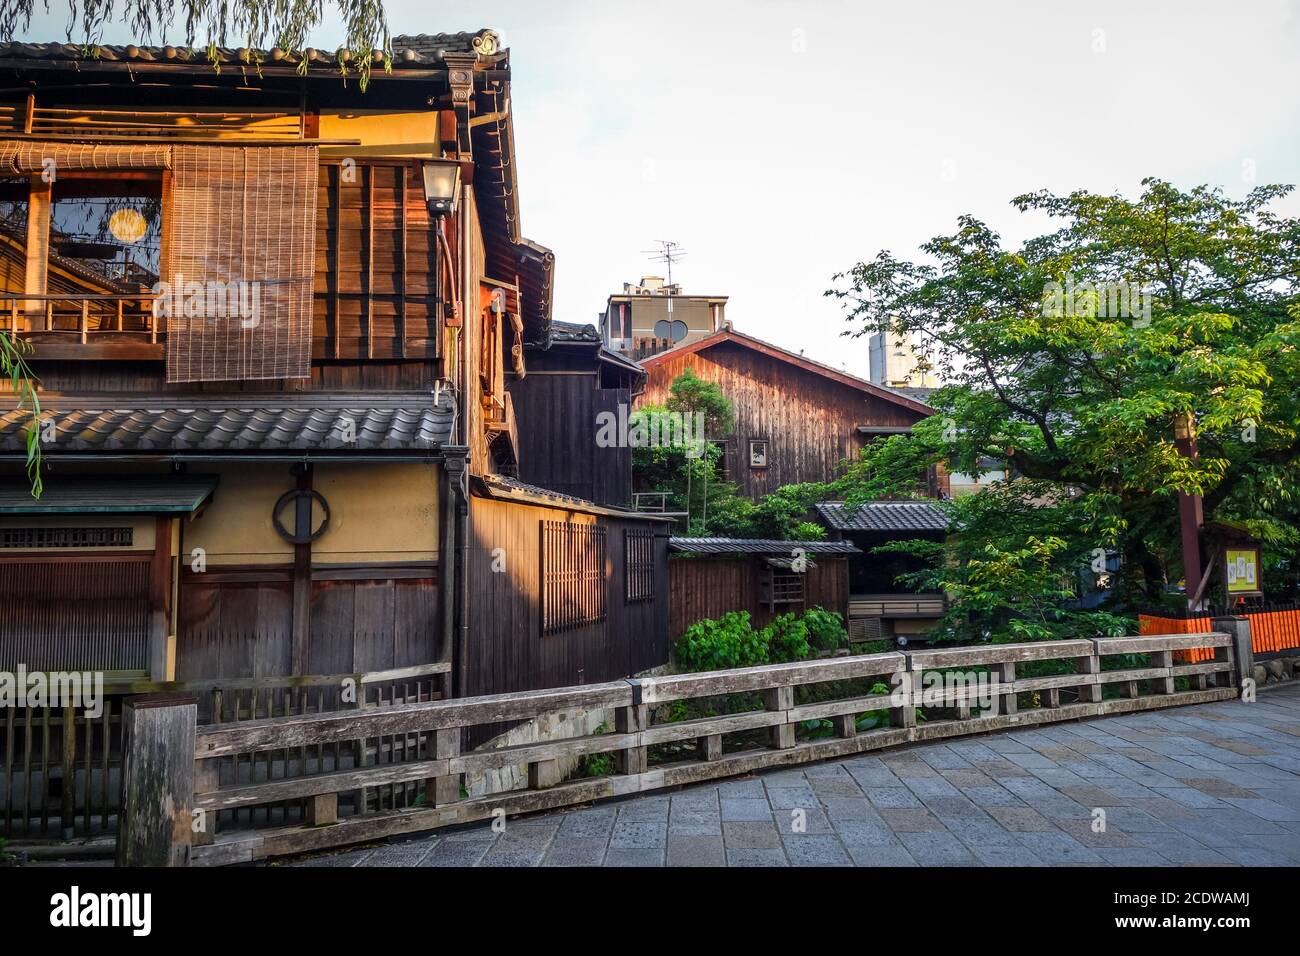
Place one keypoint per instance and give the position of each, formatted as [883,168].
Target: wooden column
[780,698]
[38,247]
[1243,652]
[302,576]
[1091,664]
[155,821]
[633,720]
[160,598]
[1007,676]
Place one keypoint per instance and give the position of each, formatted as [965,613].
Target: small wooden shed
[707,577]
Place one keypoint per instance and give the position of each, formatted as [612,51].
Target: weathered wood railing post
[633,720]
[1243,653]
[446,789]
[1006,672]
[906,691]
[1091,664]
[155,820]
[781,736]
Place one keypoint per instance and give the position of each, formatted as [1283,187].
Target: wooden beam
[301,647]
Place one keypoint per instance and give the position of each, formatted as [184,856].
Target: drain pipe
[456,593]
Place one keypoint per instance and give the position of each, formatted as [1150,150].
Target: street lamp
[441,185]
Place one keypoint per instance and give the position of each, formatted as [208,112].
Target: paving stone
[575,853]
[849,808]
[890,854]
[644,809]
[865,833]
[746,789]
[786,798]
[457,853]
[801,820]
[596,823]
[751,835]
[937,849]
[407,853]
[744,808]
[911,821]
[844,786]
[756,857]
[892,798]
[638,835]
[512,858]
[1057,847]
[992,796]
[1021,819]
[816,850]
[1133,856]
[1005,854]
[619,856]
[696,851]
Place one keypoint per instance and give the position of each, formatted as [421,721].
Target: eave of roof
[775,351]
[503,488]
[175,494]
[758,546]
[886,516]
[412,54]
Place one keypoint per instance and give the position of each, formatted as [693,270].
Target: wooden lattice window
[573,575]
[639,564]
[33,538]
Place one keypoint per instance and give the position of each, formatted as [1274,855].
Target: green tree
[1078,400]
[250,24]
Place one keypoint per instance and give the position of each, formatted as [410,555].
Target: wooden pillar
[155,820]
[1091,664]
[1007,676]
[1242,651]
[441,791]
[160,598]
[1190,511]
[633,720]
[38,247]
[301,647]
[780,698]
[908,690]
[1162,685]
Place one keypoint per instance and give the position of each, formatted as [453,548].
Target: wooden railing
[777,705]
[60,767]
[896,605]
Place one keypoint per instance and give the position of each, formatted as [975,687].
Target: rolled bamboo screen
[243,226]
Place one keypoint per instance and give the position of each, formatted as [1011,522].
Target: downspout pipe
[456,592]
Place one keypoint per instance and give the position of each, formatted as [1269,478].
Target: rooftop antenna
[668,252]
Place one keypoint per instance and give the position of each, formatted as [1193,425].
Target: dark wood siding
[809,421]
[239,623]
[505,648]
[556,410]
[705,587]
[376,264]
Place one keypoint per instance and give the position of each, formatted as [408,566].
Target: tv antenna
[668,252]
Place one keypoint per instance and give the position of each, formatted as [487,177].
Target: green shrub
[826,630]
[721,643]
[786,639]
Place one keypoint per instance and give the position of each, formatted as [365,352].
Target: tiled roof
[414,51]
[143,494]
[883,516]
[763,546]
[507,488]
[246,427]
[573,332]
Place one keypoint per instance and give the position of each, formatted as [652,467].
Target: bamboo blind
[242,214]
[26,157]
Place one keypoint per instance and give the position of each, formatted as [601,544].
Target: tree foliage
[251,24]
[1079,404]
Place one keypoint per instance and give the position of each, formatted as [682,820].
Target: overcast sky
[779,142]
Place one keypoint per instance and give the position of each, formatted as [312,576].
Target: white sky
[779,142]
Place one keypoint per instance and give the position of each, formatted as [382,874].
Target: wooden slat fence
[61,767]
[1088,678]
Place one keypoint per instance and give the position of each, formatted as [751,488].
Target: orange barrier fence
[1273,628]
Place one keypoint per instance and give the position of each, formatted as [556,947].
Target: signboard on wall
[1242,571]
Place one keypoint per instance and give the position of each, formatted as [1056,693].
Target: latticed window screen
[787,588]
[573,575]
[243,223]
[639,564]
[32,538]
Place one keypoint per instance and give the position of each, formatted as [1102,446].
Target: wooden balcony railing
[897,605]
[74,326]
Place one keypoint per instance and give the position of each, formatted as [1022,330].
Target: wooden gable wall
[809,421]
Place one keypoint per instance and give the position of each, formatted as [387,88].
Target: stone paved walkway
[1211,784]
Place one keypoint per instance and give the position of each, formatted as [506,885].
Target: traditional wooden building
[878,605]
[709,577]
[282,329]
[796,419]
